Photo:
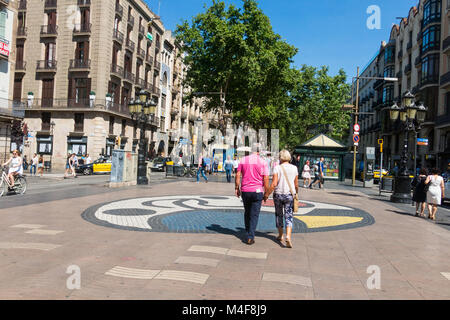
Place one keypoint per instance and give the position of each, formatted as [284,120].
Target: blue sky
[326,32]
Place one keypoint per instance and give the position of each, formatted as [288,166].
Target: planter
[92,101]
[30,99]
[108,101]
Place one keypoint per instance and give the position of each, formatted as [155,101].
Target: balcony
[156,91]
[445,81]
[149,60]
[84,3]
[400,54]
[157,65]
[4,2]
[119,10]
[22,32]
[117,71]
[427,81]
[158,44]
[80,65]
[49,30]
[409,46]
[46,66]
[418,62]
[141,54]
[131,21]
[141,83]
[129,45]
[142,30]
[83,29]
[446,45]
[50,4]
[129,77]
[378,84]
[408,69]
[22,5]
[21,66]
[118,36]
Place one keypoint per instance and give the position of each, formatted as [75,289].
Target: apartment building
[415,55]
[8,14]
[79,63]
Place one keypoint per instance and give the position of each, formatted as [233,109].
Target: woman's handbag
[295,196]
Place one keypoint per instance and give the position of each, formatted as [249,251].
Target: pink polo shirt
[253,170]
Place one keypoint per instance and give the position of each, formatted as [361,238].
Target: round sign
[356,128]
[356,138]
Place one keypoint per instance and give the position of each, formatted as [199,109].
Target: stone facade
[85,60]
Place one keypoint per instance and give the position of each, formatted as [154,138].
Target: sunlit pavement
[182,240]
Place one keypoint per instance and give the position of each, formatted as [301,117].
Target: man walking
[255,180]
[34,163]
[201,169]
[229,168]
[319,177]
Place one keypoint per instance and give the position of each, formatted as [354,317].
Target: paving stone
[248,255]
[194,277]
[287,278]
[207,249]
[132,273]
[30,246]
[44,232]
[28,226]
[198,261]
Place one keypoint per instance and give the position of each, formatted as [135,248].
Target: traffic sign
[380,141]
[356,128]
[422,142]
[356,139]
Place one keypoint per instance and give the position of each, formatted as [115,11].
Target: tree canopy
[235,51]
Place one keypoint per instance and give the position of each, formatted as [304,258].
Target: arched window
[165,79]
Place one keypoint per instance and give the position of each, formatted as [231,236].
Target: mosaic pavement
[207,214]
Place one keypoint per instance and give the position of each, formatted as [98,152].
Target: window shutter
[3,17]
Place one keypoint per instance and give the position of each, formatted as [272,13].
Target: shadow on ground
[241,234]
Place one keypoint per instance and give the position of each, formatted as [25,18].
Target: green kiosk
[331,150]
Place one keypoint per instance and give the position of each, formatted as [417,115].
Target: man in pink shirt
[255,180]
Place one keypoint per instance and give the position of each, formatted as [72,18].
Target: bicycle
[19,187]
[190,172]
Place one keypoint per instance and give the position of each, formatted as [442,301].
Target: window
[431,39]
[388,94]
[79,122]
[46,118]
[3,18]
[430,68]
[124,127]
[111,125]
[389,71]
[81,90]
[431,12]
[389,55]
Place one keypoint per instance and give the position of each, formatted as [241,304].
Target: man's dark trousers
[252,204]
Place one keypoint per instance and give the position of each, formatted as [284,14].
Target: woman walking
[306,174]
[41,166]
[285,177]
[436,190]
[420,196]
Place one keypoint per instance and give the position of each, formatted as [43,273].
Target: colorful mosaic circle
[212,214]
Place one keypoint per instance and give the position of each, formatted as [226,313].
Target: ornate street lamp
[411,117]
[142,112]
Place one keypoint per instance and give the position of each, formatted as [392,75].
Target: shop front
[77,145]
[332,152]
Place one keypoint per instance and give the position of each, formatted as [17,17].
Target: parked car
[100,166]
[160,163]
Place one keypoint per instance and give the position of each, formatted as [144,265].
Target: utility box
[123,169]
[369,167]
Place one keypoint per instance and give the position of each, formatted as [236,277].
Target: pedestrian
[319,177]
[66,173]
[41,166]
[201,169]
[436,190]
[16,167]
[420,196]
[285,177]
[25,162]
[73,164]
[215,166]
[235,165]
[228,168]
[306,174]
[255,181]
[34,163]
[87,160]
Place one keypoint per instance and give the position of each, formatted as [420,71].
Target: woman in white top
[435,192]
[306,174]
[283,198]
[16,167]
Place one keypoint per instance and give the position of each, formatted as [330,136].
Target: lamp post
[411,118]
[52,126]
[142,112]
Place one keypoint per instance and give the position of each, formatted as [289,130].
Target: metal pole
[415,154]
[355,149]
[381,173]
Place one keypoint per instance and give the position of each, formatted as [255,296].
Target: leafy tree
[236,52]
[316,106]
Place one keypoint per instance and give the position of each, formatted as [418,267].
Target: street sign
[356,128]
[422,142]
[381,142]
[370,153]
[348,106]
[356,139]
